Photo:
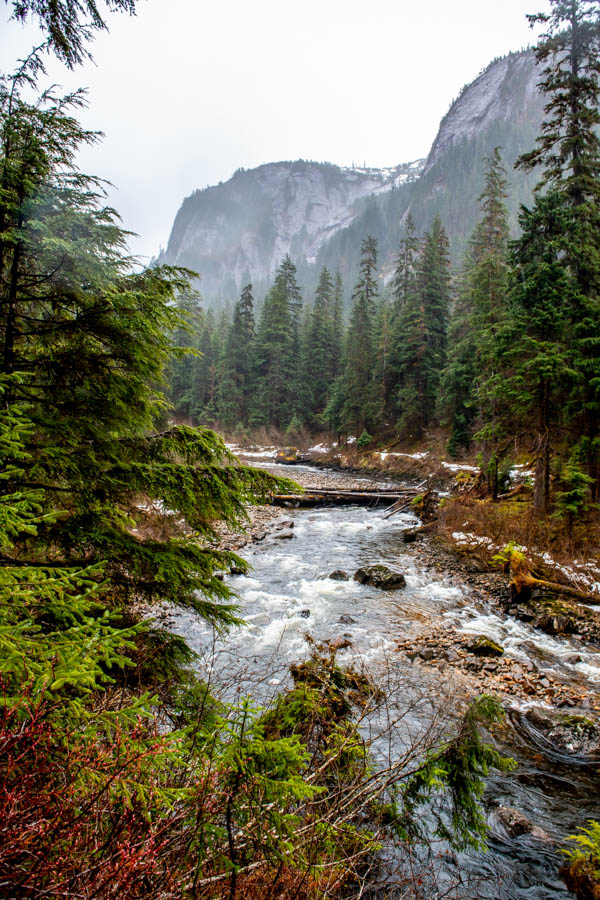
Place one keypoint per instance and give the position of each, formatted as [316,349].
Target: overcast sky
[188,91]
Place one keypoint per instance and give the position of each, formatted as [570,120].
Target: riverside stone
[339,575]
[380,576]
[484,646]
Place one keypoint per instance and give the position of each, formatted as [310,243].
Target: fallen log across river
[323,497]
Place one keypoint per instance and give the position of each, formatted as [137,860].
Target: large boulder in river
[380,576]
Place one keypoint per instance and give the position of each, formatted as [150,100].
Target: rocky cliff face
[239,231]
[506,92]
[318,213]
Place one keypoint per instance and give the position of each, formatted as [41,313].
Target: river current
[289,595]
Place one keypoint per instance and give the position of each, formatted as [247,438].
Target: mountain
[239,231]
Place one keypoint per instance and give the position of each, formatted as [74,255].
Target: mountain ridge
[238,231]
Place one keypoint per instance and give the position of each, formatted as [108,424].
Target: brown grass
[514,520]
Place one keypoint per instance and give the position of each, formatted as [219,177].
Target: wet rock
[484,646]
[284,536]
[450,655]
[410,536]
[259,536]
[235,570]
[380,576]
[522,612]
[346,620]
[339,575]
[304,613]
[575,734]
[516,824]
[573,659]
[288,523]
[514,821]
[553,624]
[427,654]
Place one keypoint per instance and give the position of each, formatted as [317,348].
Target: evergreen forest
[124,771]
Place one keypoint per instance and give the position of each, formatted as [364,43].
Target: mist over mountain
[239,230]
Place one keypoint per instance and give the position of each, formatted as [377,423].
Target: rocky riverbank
[440,646]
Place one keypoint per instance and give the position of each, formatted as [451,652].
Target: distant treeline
[508,347]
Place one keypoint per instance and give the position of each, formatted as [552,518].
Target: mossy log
[524,582]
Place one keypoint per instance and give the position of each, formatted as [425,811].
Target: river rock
[409,536]
[553,624]
[339,575]
[304,613]
[484,646]
[346,620]
[288,523]
[284,536]
[380,576]
[235,570]
[514,821]
[516,824]
[574,733]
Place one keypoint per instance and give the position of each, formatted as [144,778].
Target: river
[288,595]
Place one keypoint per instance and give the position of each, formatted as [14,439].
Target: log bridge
[326,497]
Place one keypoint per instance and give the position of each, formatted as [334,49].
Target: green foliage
[69,24]
[420,341]
[587,847]
[460,768]
[356,394]
[364,440]
[480,308]
[571,501]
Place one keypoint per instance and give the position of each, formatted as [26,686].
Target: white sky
[186,92]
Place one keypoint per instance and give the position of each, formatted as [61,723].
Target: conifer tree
[277,351]
[403,296]
[569,150]
[480,310]
[235,380]
[89,341]
[420,353]
[318,371]
[337,325]
[382,375]
[69,24]
[356,393]
[403,283]
[182,368]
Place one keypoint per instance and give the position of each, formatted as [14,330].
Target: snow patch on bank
[459,467]
[583,575]
[384,454]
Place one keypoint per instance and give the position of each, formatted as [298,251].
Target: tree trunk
[541,493]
